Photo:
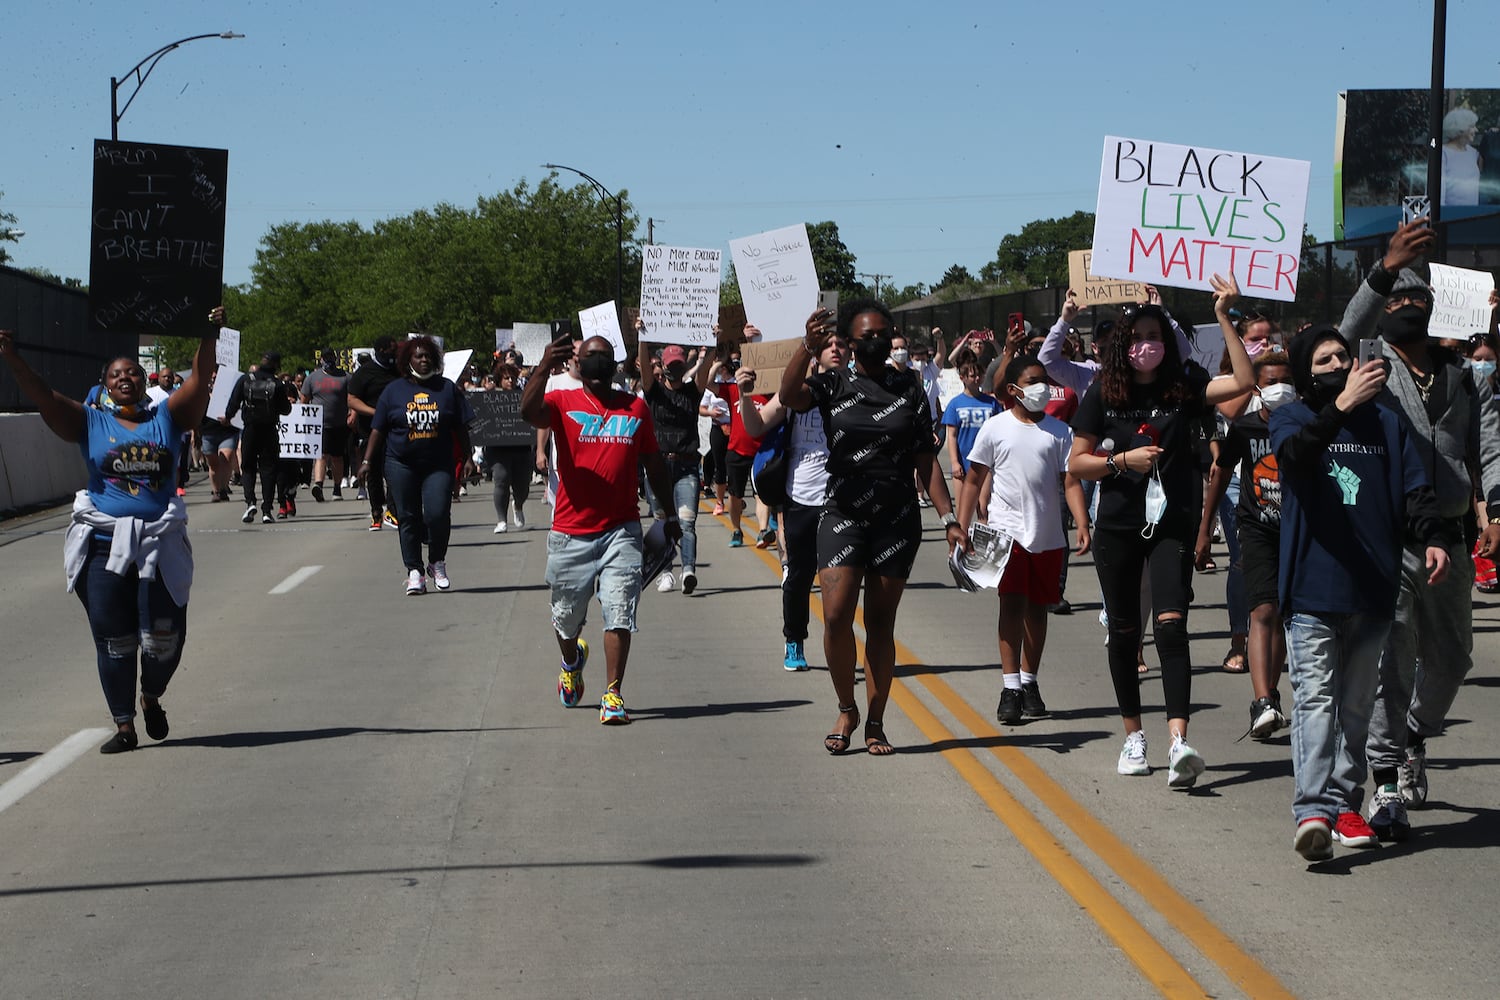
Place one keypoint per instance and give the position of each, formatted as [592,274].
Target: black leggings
[1120,556]
[511,467]
[799,526]
[718,447]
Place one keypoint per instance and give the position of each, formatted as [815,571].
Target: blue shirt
[132,473]
[420,421]
[966,414]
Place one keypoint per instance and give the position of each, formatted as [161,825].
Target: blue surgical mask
[1484,369]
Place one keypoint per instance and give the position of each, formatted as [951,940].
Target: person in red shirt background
[742,447]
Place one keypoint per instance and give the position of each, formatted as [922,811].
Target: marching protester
[510,465]
[419,420]
[1431,643]
[1135,433]
[219,441]
[601,436]
[806,488]
[879,428]
[740,449]
[1352,484]
[674,399]
[262,400]
[966,414]
[126,553]
[1018,459]
[328,386]
[365,386]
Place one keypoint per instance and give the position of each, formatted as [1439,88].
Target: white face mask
[1036,396]
[1273,396]
[1156,503]
[899,356]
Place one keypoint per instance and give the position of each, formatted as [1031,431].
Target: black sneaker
[1008,712]
[120,742]
[317,493]
[1265,718]
[1032,705]
[1062,607]
[156,720]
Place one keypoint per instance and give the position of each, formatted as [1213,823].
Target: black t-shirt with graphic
[1248,445]
[675,413]
[876,426]
[1146,419]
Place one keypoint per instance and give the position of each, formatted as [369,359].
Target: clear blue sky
[927,131]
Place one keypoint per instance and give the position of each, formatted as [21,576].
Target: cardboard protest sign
[1176,215]
[680,295]
[454,363]
[769,359]
[302,431]
[1460,301]
[156,243]
[1093,290]
[497,419]
[218,396]
[532,340]
[778,282]
[227,350]
[603,321]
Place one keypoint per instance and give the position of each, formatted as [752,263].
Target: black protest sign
[156,244]
[497,419]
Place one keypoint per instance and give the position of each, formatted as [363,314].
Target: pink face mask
[1256,347]
[1145,355]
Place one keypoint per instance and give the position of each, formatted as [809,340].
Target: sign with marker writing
[227,350]
[1177,215]
[1093,290]
[778,281]
[680,294]
[302,431]
[532,340]
[156,240]
[769,359]
[1460,301]
[497,419]
[603,321]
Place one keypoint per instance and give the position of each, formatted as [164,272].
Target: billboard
[1380,161]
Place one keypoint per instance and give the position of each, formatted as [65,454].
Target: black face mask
[872,352]
[1326,386]
[596,367]
[675,371]
[1406,325]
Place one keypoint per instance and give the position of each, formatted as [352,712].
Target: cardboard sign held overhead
[1095,291]
[227,350]
[1460,301]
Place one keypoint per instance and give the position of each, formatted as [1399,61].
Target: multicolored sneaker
[570,682]
[736,539]
[612,709]
[390,518]
[795,658]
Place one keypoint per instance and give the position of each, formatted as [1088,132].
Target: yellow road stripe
[1159,968]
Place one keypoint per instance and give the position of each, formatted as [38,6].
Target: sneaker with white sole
[570,678]
[1183,764]
[250,513]
[1265,718]
[266,518]
[796,656]
[689,582]
[520,520]
[1412,779]
[1314,839]
[500,527]
[1133,755]
[665,584]
[438,570]
[1351,830]
[415,583]
[1388,813]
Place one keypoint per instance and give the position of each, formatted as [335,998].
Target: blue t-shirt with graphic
[132,472]
[419,421]
[966,414]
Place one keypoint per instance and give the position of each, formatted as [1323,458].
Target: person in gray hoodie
[1429,650]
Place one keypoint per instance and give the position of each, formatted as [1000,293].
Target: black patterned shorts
[870,524]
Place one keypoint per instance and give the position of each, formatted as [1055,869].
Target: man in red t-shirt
[601,434]
[740,457]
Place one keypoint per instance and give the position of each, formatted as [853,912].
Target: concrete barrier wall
[35,464]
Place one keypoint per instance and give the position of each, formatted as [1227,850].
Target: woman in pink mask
[1134,433]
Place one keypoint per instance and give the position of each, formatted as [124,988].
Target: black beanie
[1301,353]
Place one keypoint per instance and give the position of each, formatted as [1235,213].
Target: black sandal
[838,743]
[121,741]
[874,743]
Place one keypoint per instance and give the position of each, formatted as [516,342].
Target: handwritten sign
[1176,215]
[532,340]
[680,294]
[227,350]
[156,239]
[497,419]
[603,321]
[301,431]
[769,359]
[1460,301]
[1093,290]
[778,281]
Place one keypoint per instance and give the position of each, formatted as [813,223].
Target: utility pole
[1435,102]
[876,278]
[651,231]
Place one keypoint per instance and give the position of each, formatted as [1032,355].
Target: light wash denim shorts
[608,563]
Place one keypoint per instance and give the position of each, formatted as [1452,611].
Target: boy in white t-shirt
[1017,460]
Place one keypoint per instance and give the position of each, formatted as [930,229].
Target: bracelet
[1495,520]
[1109,463]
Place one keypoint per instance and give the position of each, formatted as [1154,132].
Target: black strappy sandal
[838,743]
[874,742]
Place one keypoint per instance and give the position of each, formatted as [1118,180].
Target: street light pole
[115,111]
[1435,102]
[605,194]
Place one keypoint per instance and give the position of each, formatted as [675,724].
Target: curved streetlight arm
[604,193]
[140,78]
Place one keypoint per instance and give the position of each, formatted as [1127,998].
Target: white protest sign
[1208,346]
[454,363]
[532,340]
[1460,301]
[504,339]
[778,281]
[218,397]
[603,321]
[302,431]
[1176,215]
[227,350]
[680,295]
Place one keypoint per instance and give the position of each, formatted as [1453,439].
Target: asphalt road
[367,795]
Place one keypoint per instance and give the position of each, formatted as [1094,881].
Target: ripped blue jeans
[129,615]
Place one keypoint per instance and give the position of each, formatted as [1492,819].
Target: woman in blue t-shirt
[127,555]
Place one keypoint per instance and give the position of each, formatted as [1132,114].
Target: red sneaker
[1351,830]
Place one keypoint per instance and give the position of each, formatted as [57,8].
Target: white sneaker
[1183,764]
[250,513]
[463,491]
[439,573]
[520,519]
[665,584]
[1133,755]
[499,527]
[1412,779]
[415,583]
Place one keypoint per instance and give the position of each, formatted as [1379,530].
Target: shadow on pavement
[17,756]
[1245,772]
[1064,742]
[702,711]
[238,741]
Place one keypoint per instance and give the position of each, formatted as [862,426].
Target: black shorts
[1260,562]
[737,469]
[870,525]
[335,440]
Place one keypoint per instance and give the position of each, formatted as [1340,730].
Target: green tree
[955,275]
[6,235]
[833,261]
[1037,256]
[55,278]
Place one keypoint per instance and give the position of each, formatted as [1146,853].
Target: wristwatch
[950,519]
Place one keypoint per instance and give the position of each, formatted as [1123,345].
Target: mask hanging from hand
[1156,503]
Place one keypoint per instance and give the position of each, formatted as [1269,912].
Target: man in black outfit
[262,402]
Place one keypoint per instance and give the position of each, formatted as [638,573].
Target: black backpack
[261,400]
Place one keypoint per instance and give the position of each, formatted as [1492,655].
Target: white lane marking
[49,764]
[296,579]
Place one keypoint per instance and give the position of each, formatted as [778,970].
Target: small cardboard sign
[1092,290]
[769,359]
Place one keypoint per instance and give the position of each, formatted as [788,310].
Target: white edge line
[295,580]
[49,764]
